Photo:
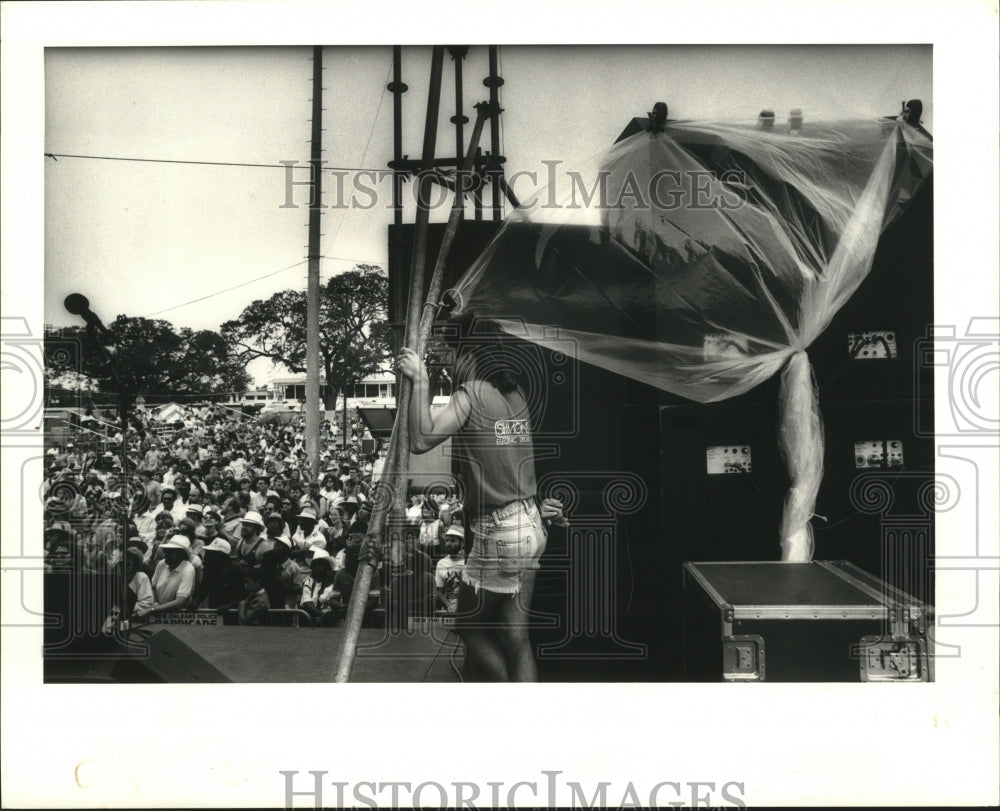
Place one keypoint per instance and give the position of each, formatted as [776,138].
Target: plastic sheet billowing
[704,259]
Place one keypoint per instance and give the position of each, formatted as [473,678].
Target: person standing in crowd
[152,458]
[164,525]
[170,504]
[290,512]
[504,517]
[194,512]
[190,530]
[145,517]
[331,491]
[289,576]
[429,539]
[275,525]
[258,494]
[211,521]
[174,576]
[377,467]
[350,507]
[255,604]
[410,583]
[138,545]
[105,529]
[318,586]
[239,465]
[336,533]
[309,533]
[295,493]
[253,544]
[150,486]
[244,487]
[222,582]
[448,573]
[139,596]
[184,490]
[232,518]
[313,498]
[59,544]
[343,583]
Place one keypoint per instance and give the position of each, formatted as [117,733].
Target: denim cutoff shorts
[505,543]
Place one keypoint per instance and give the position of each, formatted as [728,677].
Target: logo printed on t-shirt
[511,432]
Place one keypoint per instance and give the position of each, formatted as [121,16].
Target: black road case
[822,621]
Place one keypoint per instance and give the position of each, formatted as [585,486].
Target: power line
[378,111]
[55,155]
[228,289]
[267,275]
[354,259]
[364,154]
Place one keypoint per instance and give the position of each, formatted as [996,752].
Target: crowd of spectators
[218,512]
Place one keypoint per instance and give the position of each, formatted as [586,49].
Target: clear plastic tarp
[702,259]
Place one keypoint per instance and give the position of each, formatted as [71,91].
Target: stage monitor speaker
[170,661]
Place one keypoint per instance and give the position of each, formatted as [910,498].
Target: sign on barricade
[186,618]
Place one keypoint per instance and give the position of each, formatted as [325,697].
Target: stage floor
[430,652]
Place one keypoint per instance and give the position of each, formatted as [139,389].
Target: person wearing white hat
[222,582]
[174,577]
[308,533]
[317,584]
[448,572]
[253,544]
[276,528]
[219,545]
[289,574]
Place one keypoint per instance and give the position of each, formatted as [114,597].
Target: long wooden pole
[312,294]
[398,455]
[398,458]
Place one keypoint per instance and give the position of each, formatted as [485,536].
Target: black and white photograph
[348,378]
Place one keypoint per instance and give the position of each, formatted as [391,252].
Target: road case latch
[743,658]
[884,659]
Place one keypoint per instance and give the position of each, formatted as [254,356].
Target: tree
[154,358]
[353,329]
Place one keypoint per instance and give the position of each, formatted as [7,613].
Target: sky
[195,243]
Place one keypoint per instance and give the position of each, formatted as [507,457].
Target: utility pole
[312,296]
